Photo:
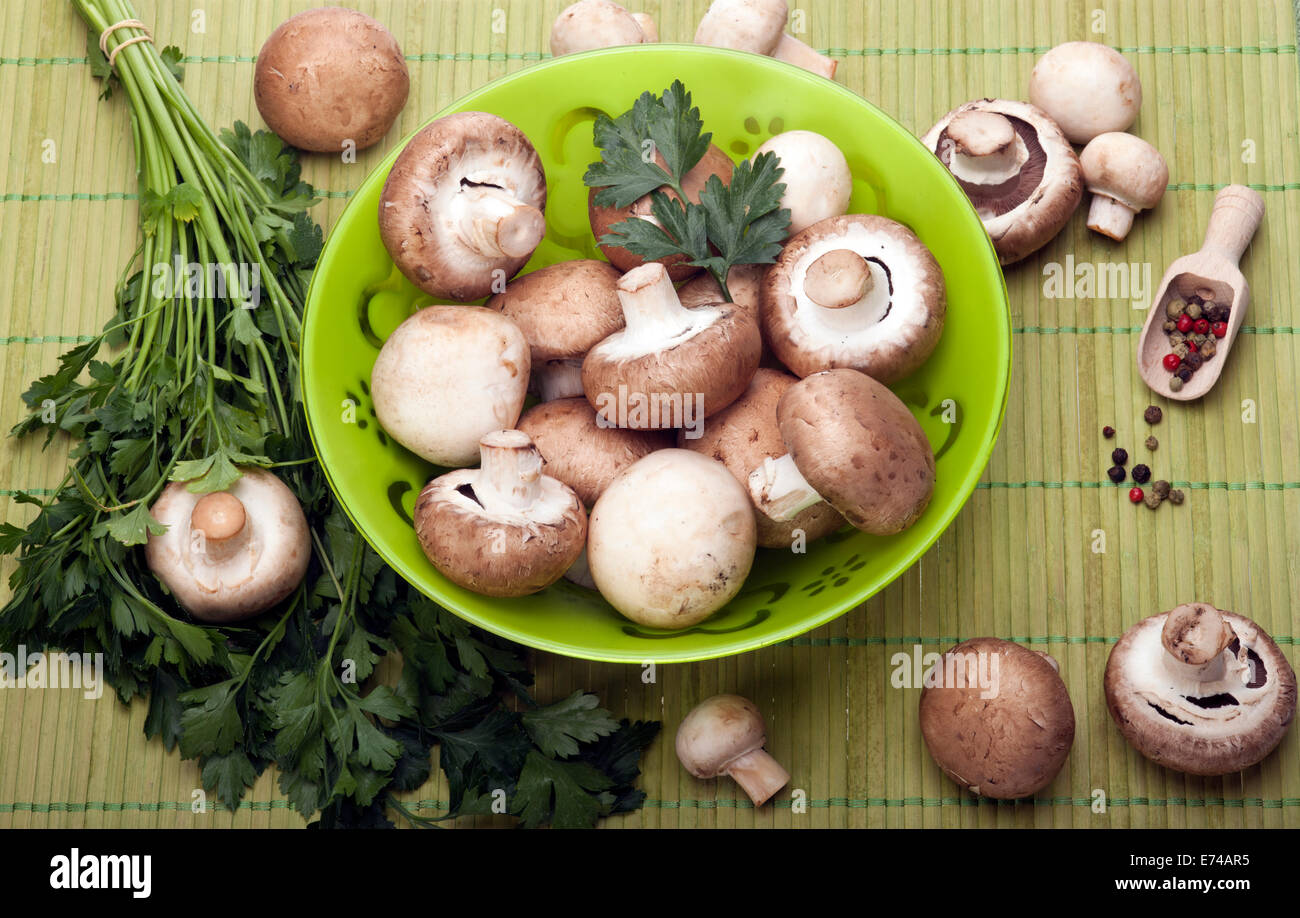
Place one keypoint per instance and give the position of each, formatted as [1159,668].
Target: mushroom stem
[759,775]
[650,303]
[494,223]
[220,521]
[793,51]
[780,491]
[838,279]
[1110,217]
[986,148]
[510,472]
[558,379]
[1195,638]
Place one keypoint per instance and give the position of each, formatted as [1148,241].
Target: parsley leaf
[560,793]
[558,728]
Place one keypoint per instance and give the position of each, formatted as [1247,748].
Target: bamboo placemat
[1220,81]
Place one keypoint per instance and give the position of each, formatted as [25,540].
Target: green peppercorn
[1194,310]
[1181,349]
[1174,308]
[1175,384]
[1209,349]
[1152,444]
[1152,500]
[1161,487]
[1175,497]
[1177,337]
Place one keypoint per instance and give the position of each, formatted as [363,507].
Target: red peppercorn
[1201,326]
[1192,348]
[1220,329]
[1172,361]
[1185,323]
[1135,495]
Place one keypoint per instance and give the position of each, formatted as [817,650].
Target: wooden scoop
[1211,274]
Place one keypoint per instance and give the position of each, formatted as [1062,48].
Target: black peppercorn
[1108,431]
[1184,373]
[1193,361]
[1116,473]
[1119,457]
[1153,414]
[1141,474]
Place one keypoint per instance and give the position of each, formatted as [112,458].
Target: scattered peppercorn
[1135,495]
[1119,456]
[1185,323]
[1116,473]
[1193,361]
[1161,487]
[1153,501]
[1175,497]
[1153,414]
[1108,431]
[1141,474]
[1175,384]
[1153,444]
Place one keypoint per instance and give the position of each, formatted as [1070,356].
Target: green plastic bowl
[357,298]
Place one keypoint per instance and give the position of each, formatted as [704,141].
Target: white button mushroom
[1087,88]
[810,321]
[1200,690]
[671,539]
[671,366]
[818,183]
[1017,168]
[1125,175]
[462,206]
[447,376]
[232,554]
[758,26]
[648,27]
[724,735]
[563,310]
[590,24]
[503,529]
[852,443]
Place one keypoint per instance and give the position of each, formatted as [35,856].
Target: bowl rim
[966,487]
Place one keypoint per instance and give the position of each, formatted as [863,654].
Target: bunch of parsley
[737,223]
[190,382]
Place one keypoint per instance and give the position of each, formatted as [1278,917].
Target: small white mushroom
[590,24]
[724,735]
[818,183]
[1125,175]
[447,376]
[1087,88]
[230,555]
[758,26]
[648,27]
[503,529]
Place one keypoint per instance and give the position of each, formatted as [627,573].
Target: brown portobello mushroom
[857,291]
[329,76]
[852,443]
[1016,167]
[671,366]
[724,735]
[744,434]
[461,209]
[714,162]
[503,529]
[232,554]
[563,310]
[1200,690]
[1006,738]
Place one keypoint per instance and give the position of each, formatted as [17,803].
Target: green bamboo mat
[1220,80]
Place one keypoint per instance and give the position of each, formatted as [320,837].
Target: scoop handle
[1236,215]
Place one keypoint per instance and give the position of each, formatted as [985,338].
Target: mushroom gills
[995,199]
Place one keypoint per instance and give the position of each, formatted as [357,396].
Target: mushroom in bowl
[857,291]
[461,209]
[1200,690]
[818,183]
[1016,167]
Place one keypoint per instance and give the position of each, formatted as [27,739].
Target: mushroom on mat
[1016,167]
[758,26]
[590,24]
[461,209]
[857,291]
[724,735]
[1200,690]
[229,555]
[1087,88]
[1125,175]
[503,529]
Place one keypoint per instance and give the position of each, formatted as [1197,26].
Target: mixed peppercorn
[1193,327]
[1160,490]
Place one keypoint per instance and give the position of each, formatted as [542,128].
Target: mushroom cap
[744,281]
[582,453]
[696,373]
[418,219]
[716,732]
[671,539]
[1011,744]
[327,76]
[263,561]
[818,183]
[859,447]
[1126,168]
[590,24]
[1024,214]
[714,162]
[1087,88]
[745,433]
[495,552]
[448,375]
[887,334]
[1215,727]
[743,25]
[564,309]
